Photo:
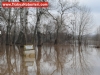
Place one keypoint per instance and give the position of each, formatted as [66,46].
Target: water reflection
[50,60]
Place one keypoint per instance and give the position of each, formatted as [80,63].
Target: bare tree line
[68,21]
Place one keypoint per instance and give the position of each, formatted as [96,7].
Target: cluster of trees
[60,22]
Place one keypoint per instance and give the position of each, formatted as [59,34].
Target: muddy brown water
[51,60]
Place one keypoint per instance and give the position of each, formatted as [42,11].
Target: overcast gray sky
[94,5]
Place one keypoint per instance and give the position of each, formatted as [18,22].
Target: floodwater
[51,60]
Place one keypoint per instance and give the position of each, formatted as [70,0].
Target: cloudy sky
[94,5]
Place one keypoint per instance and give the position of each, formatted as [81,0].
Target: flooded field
[51,60]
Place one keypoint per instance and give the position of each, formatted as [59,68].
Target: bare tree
[60,24]
[80,23]
[8,16]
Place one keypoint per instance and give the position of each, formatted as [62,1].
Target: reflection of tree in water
[2,61]
[80,64]
[23,68]
[62,60]
[70,61]
[38,61]
[7,64]
[98,52]
[11,62]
